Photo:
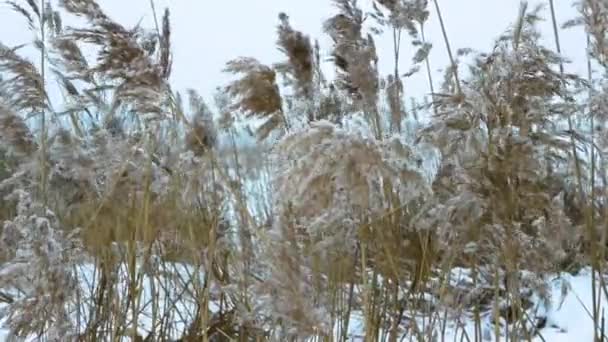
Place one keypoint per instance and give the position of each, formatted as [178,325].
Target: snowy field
[566,316]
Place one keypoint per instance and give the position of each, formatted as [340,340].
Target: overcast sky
[206,33]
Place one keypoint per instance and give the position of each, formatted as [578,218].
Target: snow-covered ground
[571,320]
[173,293]
[565,316]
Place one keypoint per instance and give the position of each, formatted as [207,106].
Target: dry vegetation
[129,216]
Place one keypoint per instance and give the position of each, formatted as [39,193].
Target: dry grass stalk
[503,198]
[25,88]
[165,47]
[593,16]
[257,91]
[125,57]
[298,49]
[201,134]
[16,135]
[394,91]
[355,58]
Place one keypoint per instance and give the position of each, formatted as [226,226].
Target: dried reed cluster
[128,214]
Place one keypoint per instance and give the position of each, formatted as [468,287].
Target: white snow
[572,320]
[568,314]
[177,299]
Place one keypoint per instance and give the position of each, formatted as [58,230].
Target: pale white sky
[206,33]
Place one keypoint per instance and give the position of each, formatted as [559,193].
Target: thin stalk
[43,128]
[449,49]
[377,123]
[366,293]
[133,294]
[570,125]
[349,304]
[429,76]
[396,50]
[495,305]
[602,255]
[284,118]
[245,236]
[155,18]
[589,211]
[177,114]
